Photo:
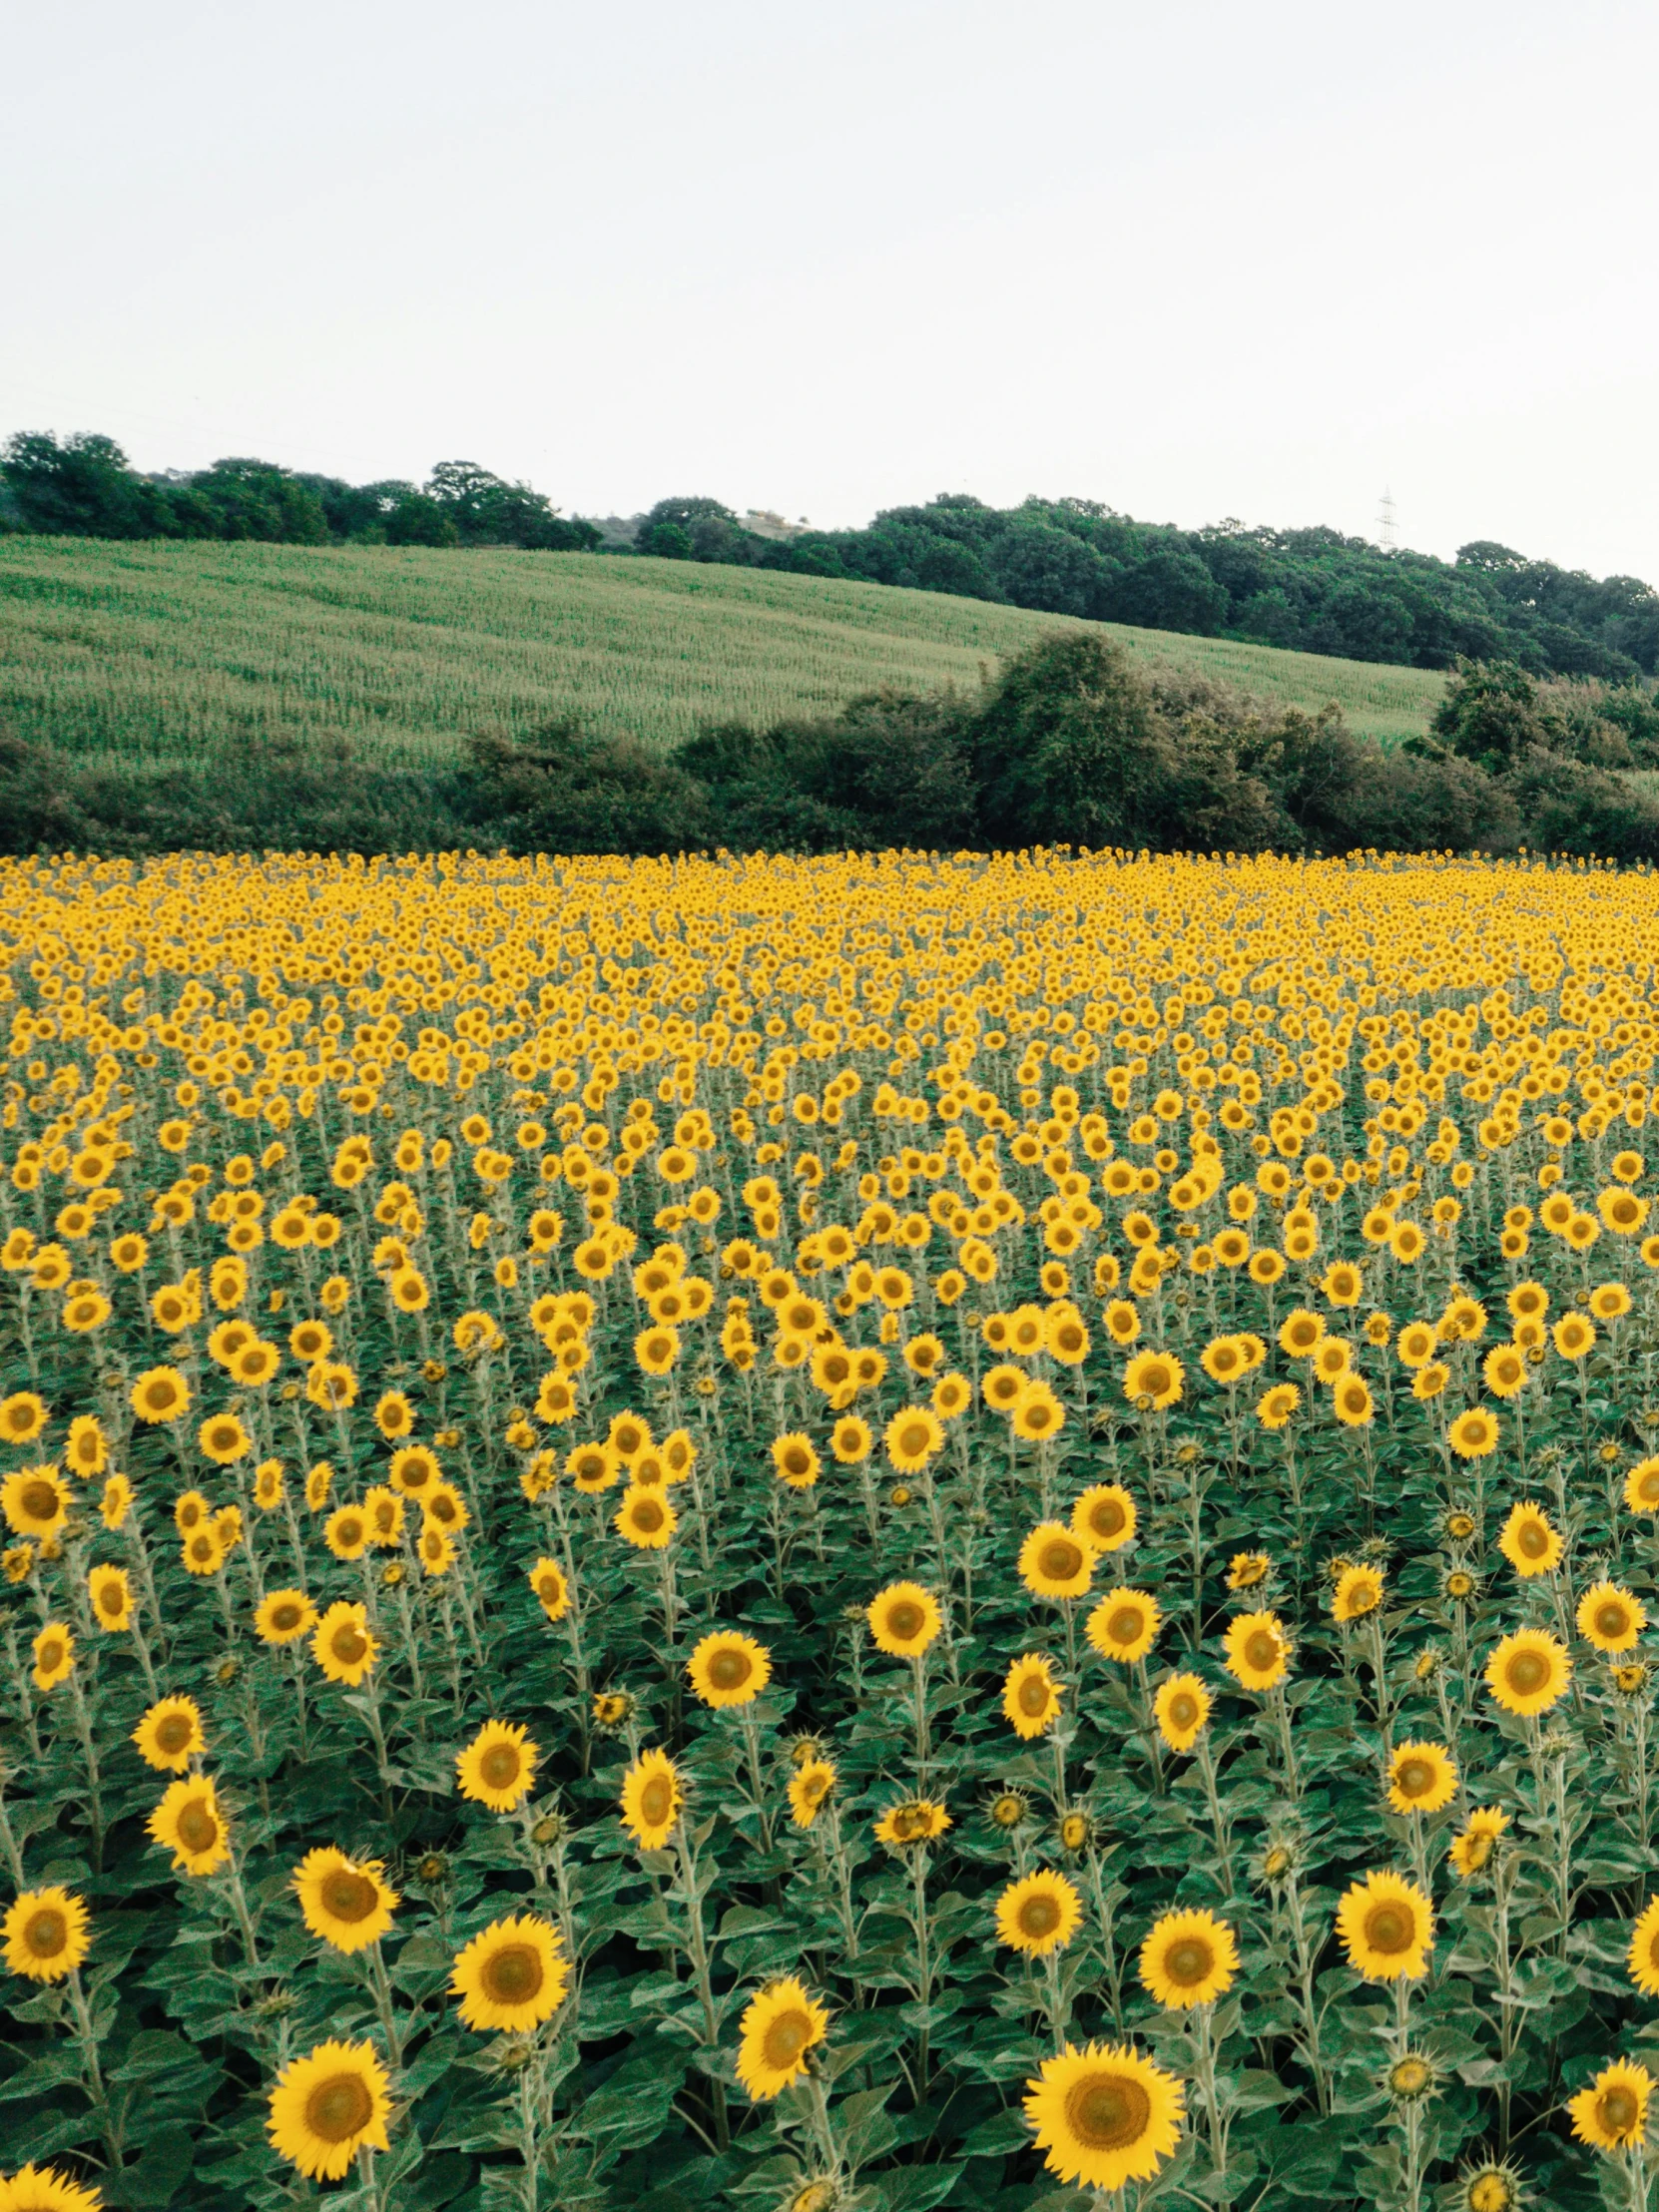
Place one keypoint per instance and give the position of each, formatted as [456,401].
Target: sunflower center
[1108,2111]
[1610,1619]
[349,1645]
[339,2107]
[1033,1695]
[284,1616]
[1390,1929]
[1124,1625]
[1039,1916]
[1415,1777]
[349,1897]
[1183,1709]
[1261,1650]
[648,1516]
[1528,1672]
[50,1655]
[1061,1560]
[1617,2109]
[1480,1850]
[159,1397]
[111,1599]
[904,1620]
[786,2039]
[1533,1540]
[47,1933]
[1107,1519]
[913,1440]
[657,1801]
[513,1975]
[40,1501]
[1189,1961]
[500,1766]
[172,1734]
[198,1829]
[795,1462]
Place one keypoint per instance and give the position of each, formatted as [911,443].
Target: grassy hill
[161,652]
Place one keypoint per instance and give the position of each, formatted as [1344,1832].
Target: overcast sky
[1193,259]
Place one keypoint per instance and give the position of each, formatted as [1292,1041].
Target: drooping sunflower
[284,1616]
[344,1645]
[347,1902]
[1421,1778]
[1104,1517]
[1611,2114]
[728,1668]
[1386,1926]
[1188,1959]
[1181,1709]
[779,2025]
[54,1656]
[1258,1650]
[651,1799]
[47,1934]
[111,1593]
[188,1822]
[498,1766]
[1039,1913]
[1610,1619]
[327,2105]
[1471,1850]
[1529,1541]
[512,1977]
[1053,1563]
[1153,1379]
[1124,1625]
[809,1787]
[911,1822]
[552,1588]
[1529,1671]
[170,1735]
[1359,1592]
[1030,1695]
[904,1619]
[1103,2115]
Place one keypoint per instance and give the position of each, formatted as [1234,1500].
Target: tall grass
[163,652]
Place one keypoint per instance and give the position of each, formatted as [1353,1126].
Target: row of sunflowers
[879,1533]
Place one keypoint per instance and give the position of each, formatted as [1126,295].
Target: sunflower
[1473,1848]
[1421,1778]
[1030,1695]
[1181,1709]
[498,1766]
[1352,1402]
[1642,1959]
[416,1471]
[1574,1333]
[434,1550]
[552,1588]
[1039,1914]
[170,1735]
[912,1437]
[346,1532]
[779,2025]
[1611,2114]
[1610,1619]
[35,1501]
[913,1821]
[1474,1434]
[1505,1371]
[1189,1959]
[345,1901]
[1258,1651]
[205,1550]
[1002,1387]
[1153,1380]
[1274,1408]
[22,1416]
[224,1440]
[1641,1487]
[54,1654]
[188,1822]
[161,1394]
[1431,1381]
[1223,1359]
[728,1668]
[111,1595]
[1359,1592]
[850,1440]
[46,1935]
[1104,1517]
[44,2189]
[645,1519]
[808,1786]
[1124,1625]
[512,1977]
[1038,1414]
[1529,1671]
[1386,1926]
[651,1799]
[904,1619]
[344,1645]
[86,1447]
[1053,1563]
[795,1462]
[1529,1542]
[327,2105]
[284,1616]
[1103,2115]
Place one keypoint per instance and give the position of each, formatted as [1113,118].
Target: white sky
[1190,258]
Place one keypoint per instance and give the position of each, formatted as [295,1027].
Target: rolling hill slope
[164,652]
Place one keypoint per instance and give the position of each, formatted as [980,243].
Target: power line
[1385,528]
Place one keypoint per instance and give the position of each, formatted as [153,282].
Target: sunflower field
[877,1532]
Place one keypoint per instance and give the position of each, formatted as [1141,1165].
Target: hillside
[171,652]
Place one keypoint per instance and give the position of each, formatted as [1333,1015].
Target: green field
[163,652]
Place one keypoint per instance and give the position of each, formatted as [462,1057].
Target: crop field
[828,1535]
[164,653]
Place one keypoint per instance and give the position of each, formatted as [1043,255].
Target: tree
[82,486]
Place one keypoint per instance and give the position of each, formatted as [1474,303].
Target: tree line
[1069,745]
[1314,589]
